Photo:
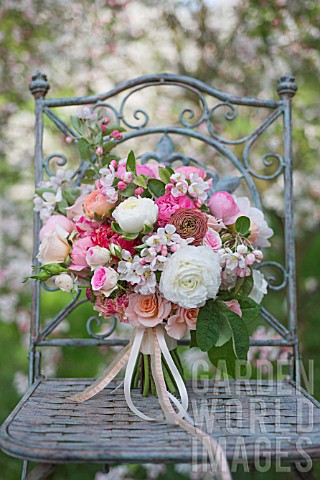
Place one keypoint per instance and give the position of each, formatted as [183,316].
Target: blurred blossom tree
[86,47]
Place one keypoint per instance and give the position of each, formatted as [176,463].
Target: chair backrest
[199,123]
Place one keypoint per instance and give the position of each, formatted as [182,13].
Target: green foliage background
[87,47]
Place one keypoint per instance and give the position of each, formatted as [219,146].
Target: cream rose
[97,257]
[191,276]
[54,247]
[135,213]
[64,282]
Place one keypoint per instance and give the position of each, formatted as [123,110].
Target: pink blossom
[99,151]
[105,280]
[168,204]
[147,310]
[234,306]
[54,220]
[79,252]
[187,170]
[76,210]
[212,239]
[116,134]
[103,128]
[139,191]
[68,139]
[122,185]
[223,206]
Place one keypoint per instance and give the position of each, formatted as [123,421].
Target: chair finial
[287,85]
[39,85]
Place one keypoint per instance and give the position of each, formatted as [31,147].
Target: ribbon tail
[176,374]
[214,449]
[137,339]
[106,377]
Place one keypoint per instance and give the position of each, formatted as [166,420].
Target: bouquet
[157,249]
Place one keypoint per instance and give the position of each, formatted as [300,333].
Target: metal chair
[49,430]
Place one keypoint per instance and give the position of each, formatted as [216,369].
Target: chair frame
[44,107]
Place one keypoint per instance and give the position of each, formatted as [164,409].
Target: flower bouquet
[153,249]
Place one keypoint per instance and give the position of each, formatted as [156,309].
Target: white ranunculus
[54,247]
[134,213]
[97,257]
[259,286]
[64,282]
[191,276]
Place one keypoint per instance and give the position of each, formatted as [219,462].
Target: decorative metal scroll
[197,122]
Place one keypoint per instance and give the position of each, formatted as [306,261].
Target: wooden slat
[46,427]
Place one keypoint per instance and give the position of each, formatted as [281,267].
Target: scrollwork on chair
[98,321]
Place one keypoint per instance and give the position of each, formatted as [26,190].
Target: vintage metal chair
[48,430]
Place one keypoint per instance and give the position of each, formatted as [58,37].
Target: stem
[146,377]
[167,378]
[177,361]
[137,372]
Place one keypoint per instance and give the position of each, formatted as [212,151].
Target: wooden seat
[46,427]
[275,419]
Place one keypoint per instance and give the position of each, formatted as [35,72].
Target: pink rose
[86,227]
[147,310]
[76,211]
[212,239]
[54,220]
[223,206]
[168,204]
[187,170]
[79,252]
[97,257]
[234,306]
[178,324]
[105,280]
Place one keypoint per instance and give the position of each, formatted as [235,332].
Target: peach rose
[178,324]
[54,247]
[97,205]
[147,310]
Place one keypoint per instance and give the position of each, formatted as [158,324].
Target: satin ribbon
[128,356]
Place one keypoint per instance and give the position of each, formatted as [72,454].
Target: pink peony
[105,280]
[234,306]
[147,310]
[108,307]
[212,239]
[54,220]
[187,170]
[76,211]
[146,170]
[178,324]
[79,252]
[223,206]
[168,204]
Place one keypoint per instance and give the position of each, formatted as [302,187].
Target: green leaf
[243,287]
[164,174]
[250,310]
[208,326]
[116,228]
[84,149]
[130,236]
[140,181]
[226,354]
[240,336]
[62,205]
[76,123]
[131,163]
[147,229]
[193,340]
[129,191]
[225,332]
[170,170]
[243,225]
[156,187]
[41,191]
[71,195]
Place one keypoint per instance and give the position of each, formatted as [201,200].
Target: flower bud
[99,151]
[64,282]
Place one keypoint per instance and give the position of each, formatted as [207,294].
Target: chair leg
[24,471]
[41,471]
[303,475]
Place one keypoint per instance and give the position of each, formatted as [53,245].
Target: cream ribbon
[128,356]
